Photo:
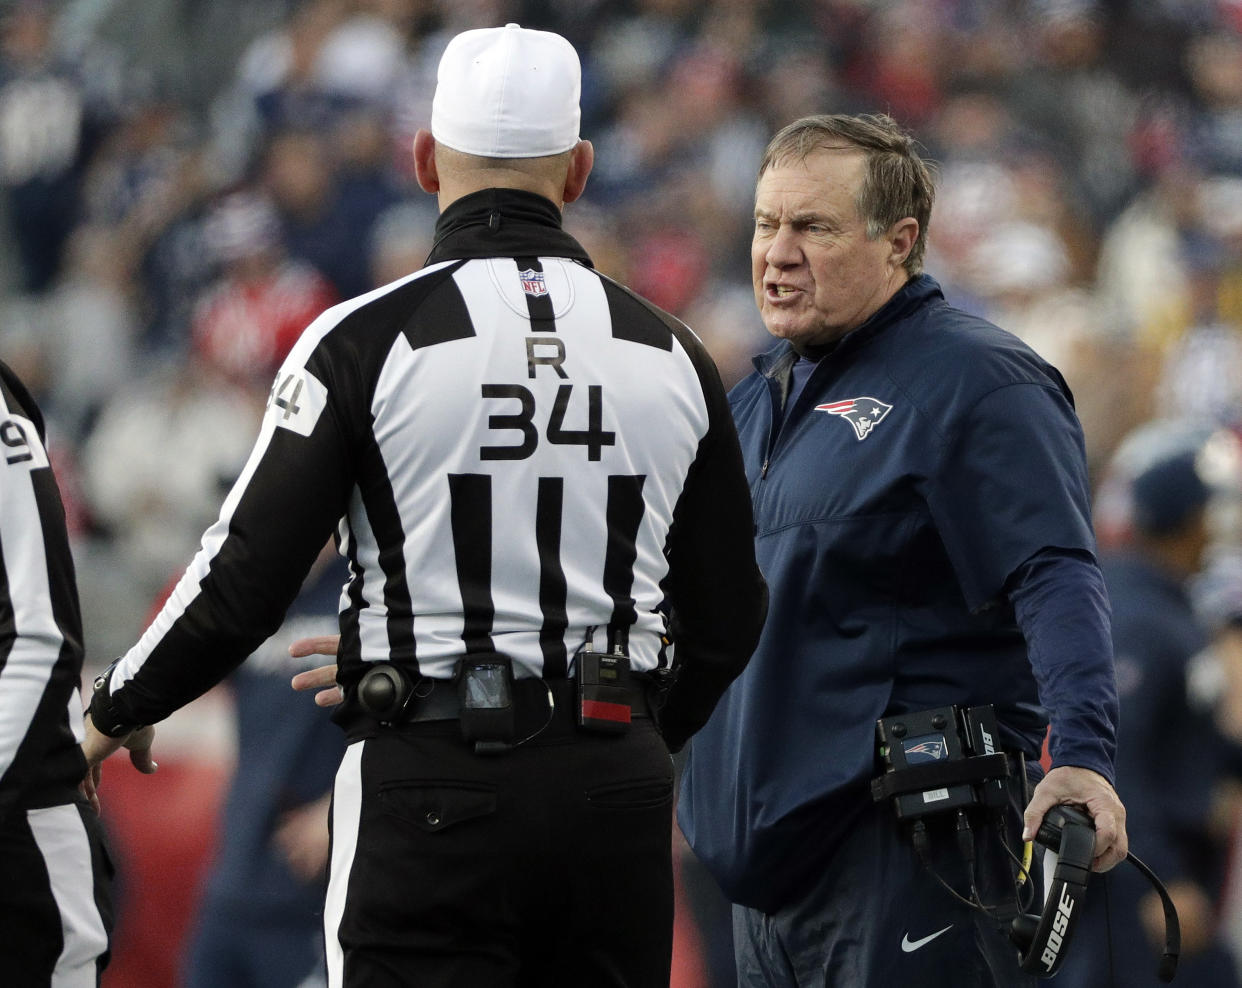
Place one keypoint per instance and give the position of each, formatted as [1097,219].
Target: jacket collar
[914,294]
[503,223]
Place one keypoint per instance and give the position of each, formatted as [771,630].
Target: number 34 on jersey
[513,411]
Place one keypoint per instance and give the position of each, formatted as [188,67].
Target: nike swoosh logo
[908,945]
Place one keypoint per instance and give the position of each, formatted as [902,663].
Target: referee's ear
[581,161]
[425,162]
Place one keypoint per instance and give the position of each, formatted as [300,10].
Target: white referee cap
[508,92]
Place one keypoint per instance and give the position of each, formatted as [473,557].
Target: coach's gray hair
[897,182]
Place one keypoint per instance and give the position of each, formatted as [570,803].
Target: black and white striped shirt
[516,450]
[40,620]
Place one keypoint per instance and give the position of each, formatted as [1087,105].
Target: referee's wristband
[103,711]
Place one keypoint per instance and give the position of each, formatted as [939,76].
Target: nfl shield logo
[532,283]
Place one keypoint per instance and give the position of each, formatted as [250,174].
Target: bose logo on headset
[1041,938]
[1060,924]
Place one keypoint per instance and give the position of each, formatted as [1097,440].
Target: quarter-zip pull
[763,470]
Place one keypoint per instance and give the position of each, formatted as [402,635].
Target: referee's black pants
[548,866]
[55,898]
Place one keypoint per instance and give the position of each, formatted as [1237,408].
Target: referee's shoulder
[625,303]
[401,292]
[15,399]
[377,316]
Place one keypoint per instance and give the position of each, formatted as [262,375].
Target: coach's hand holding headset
[1041,938]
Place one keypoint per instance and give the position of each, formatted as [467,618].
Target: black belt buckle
[605,702]
[488,717]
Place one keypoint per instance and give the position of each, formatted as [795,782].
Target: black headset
[1042,938]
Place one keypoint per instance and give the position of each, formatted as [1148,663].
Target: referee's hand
[324,677]
[97,746]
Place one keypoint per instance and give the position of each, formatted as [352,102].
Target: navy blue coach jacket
[929,455]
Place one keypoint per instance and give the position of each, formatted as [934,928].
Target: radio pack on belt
[940,759]
[488,717]
[603,690]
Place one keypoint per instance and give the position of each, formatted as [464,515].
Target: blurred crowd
[185,185]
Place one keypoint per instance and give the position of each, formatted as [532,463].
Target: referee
[535,479]
[55,905]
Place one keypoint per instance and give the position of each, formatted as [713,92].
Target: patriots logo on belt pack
[926,750]
[533,283]
[864,414]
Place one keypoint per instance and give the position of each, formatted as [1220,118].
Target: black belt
[438,700]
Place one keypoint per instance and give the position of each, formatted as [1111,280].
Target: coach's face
[816,273]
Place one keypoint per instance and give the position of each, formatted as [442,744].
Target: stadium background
[184,183]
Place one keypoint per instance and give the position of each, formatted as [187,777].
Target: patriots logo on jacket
[864,414]
[533,283]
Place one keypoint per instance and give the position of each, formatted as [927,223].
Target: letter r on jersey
[553,360]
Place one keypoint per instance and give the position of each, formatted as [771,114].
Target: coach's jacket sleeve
[284,507]
[717,594]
